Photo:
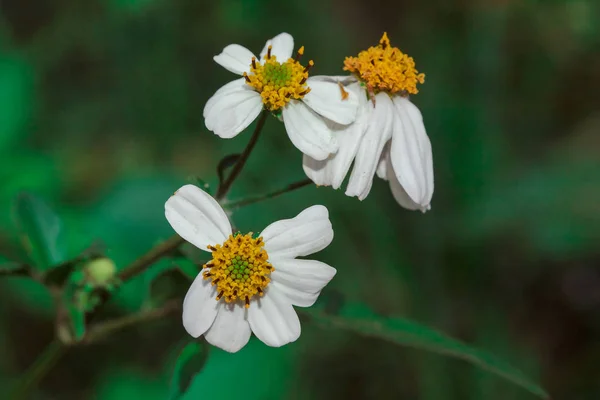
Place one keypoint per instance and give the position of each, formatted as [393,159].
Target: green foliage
[189,363]
[42,231]
[16,81]
[404,332]
[169,285]
[120,383]
[261,373]
[101,116]
[11,268]
[77,318]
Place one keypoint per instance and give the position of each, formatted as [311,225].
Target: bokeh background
[101,115]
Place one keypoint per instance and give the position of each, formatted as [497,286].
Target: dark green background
[101,115]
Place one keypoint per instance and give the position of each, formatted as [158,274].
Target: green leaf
[12,268]
[270,373]
[404,332]
[77,322]
[171,284]
[42,231]
[190,362]
[16,81]
[189,268]
[60,273]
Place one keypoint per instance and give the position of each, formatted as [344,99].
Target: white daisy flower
[252,283]
[279,83]
[388,136]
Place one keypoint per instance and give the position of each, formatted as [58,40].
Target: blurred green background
[101,115]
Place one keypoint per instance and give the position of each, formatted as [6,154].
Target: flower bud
[100,271]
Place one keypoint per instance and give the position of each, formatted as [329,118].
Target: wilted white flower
[279,83]
[252,282]
[388,136]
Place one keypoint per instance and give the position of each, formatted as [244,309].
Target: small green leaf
[77,322]
[60,273]
[42,231]
[404,332]
[171,284]
[190,362]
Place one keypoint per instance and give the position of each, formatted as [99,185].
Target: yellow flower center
[240,268]
[385,69]
[277,82]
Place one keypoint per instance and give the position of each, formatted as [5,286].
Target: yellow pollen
[239,268]
[385,68]
[277,82]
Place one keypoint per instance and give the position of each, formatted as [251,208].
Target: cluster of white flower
[252,282]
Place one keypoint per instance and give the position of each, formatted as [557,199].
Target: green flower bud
[100,271]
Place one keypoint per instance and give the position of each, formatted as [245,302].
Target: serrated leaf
[404,332]
[226,163]
[42,231]
[190,362]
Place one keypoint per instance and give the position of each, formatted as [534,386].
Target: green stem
[109,327]
[166,247]
[163,249]
[239,165]
[153,255]
[38,370]
[255,199]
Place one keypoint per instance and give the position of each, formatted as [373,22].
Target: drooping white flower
[252,283]
[388,136]
[279,83]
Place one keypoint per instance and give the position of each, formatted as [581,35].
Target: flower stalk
[225,186]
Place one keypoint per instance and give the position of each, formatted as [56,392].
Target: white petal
[379,131]
[411,153]
[296,297]
[325,97]
[382,167]
[273,319]
[235,58]
[398,191]
[199,307]
[309,232]
[426,152]
[232,109]
[283,46]
[301,280]
[231,330]
[197,217]
[308,131]
[333,170]
[231,87]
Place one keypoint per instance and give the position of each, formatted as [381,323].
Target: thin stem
[161,250]
[239,165]
[38,370]
[255,199]
[107,328]
[153,255]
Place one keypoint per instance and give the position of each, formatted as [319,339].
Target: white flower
[279,83]
[388,136]
[251,283]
